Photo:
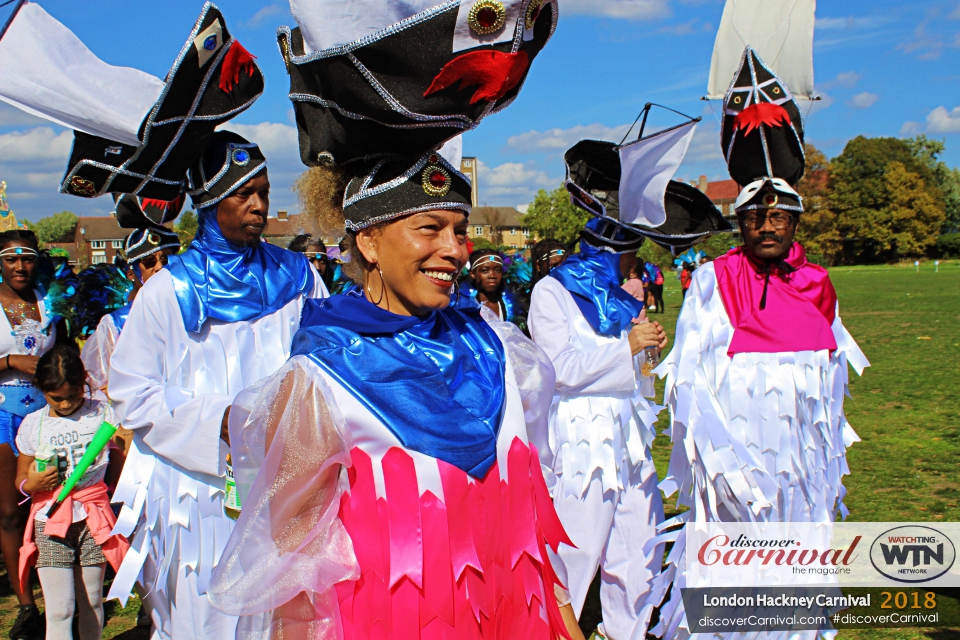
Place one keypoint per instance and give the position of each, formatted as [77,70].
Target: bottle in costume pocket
[231,499]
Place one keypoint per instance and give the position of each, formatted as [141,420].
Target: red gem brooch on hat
[487,16]
[770,199]
[435,179]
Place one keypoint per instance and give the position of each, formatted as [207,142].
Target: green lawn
[906,409]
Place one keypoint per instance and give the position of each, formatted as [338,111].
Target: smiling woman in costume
[390,472]
[421,407]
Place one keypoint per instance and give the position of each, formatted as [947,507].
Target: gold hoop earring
[382,288]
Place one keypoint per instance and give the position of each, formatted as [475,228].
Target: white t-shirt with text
[70,436]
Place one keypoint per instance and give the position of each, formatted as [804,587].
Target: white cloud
[686,28]
[512,183]
[705,145]
[261,15]
[844,80]
[626,9]
[274,138]
[942,121]
[556,141]
[863,100]
[41,144]
[910,128]
[852,22]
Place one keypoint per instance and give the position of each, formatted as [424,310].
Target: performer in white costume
[146,251]
[602,424]
[598,337]
[219,318]
[756,381]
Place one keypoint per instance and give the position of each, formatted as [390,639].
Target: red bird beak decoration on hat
[237,58]
[494,72]
[768,113]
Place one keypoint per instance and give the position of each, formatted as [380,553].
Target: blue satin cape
[120,316]
[436,382]
[217,279]
[592,276]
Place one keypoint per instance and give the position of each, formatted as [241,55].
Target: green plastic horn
[100,441]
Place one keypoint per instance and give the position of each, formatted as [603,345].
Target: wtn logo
[900,555]
[912,554]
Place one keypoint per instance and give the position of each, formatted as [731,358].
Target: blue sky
[884,68]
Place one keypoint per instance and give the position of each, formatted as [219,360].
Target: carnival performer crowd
[398,436]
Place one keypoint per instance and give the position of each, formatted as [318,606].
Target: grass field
[906,409]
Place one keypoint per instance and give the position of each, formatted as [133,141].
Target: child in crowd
[72,547]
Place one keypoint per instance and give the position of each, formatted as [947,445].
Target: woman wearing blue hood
[602,420]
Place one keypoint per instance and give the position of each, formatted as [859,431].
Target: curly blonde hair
[320,190]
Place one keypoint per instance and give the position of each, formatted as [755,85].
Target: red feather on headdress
[237,58]
[495,72]
[772,115]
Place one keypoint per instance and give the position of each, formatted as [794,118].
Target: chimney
[282,215]
[702,184]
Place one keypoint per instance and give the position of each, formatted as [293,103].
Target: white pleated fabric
[172,388]
[759,437]
[601,429]
[97,351]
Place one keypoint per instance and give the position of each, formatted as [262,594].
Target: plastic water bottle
[231,499]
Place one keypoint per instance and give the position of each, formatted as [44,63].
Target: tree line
[880,200]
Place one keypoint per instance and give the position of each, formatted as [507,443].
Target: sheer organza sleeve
[536,381]
[289,548]
[97,351]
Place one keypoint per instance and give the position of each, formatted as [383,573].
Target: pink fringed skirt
[473,565]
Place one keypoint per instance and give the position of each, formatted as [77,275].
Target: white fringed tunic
[172,387]
[756,436]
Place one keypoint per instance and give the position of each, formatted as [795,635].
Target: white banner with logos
[797,554]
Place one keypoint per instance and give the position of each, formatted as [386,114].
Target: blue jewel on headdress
[241,157]
[210,43]
[30,342]
[19,250]
[27,401]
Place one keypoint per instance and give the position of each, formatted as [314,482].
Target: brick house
[280,231]
[488,222]
[722,193]
[95,240]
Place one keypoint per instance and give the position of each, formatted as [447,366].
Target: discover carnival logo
[744,551]
[912,554]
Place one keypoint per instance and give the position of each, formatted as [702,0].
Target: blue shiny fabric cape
[592,276]
[217,279]
[120,316]
[437,382]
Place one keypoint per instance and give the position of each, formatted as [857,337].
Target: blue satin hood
[593,277]
[217,279]
[436,382]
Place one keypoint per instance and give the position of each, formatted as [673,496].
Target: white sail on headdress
[780,31]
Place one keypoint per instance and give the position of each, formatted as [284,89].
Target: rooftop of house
[101,228]
[283,225]
[722,190]
[508,216]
